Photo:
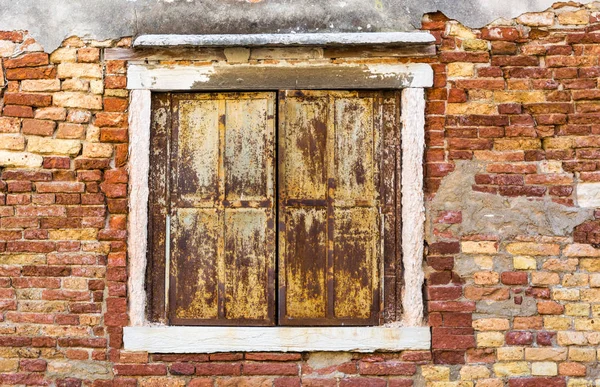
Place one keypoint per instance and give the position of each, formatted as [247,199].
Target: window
[274,208]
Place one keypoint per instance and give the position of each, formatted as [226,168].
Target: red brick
[140,369]
[218,369]
[18,111]
[19,74]
[27,60]
[519,338]
[387,368]
[36,100]
[270,369]
[514,278]
[362,382]
[537,382]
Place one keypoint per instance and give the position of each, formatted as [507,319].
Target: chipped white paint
[274,339]
[139,167]
[166,77]
[304,39]
[174,77]
[410,333]
[413,204]
[588,194]
[417,74]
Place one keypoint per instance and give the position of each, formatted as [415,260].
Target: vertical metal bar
[220,207]
[167,258]
[331,184]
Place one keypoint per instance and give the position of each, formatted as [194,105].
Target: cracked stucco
[50,22]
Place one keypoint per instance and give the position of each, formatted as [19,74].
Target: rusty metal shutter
[221,209]
[212,238]
[335,205]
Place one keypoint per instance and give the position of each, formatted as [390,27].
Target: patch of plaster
[111,19]
[88,370]
[321,360]
[502,216]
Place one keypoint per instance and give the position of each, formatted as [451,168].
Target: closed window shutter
[331,207]
[222,237]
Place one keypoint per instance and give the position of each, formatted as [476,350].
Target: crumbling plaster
[50,22]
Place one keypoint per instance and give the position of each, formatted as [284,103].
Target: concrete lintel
[176,339]
[274,40]
[269,77]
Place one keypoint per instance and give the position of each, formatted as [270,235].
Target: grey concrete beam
[266,40]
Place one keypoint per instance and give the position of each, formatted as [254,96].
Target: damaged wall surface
[108,19]
[511,174]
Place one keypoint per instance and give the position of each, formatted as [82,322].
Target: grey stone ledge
[279,40]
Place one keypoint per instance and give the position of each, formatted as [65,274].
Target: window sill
[274,339]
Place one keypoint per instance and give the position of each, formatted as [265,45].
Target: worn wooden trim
[413,204]
[274,339]
[139,166]
[222,76]
[270,40]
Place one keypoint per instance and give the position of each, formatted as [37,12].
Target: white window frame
[409,333]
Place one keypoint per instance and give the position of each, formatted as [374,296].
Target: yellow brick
[510,353]
[491,324]
[40,85]
[521,262]
[22,259]
[591,295]
[97,150]
[79,70]
[45,145]
[558,143]
[551,166]
[586,355]
[582,383]
[480,95]
[9,365]
[545,368]
[557,323]
[555,264]
[587,324]
[490,339]
[89,320]
[512,144]
[596,310]
[12,142]
[490,383]
[518,368]
[595,280]
[450,384]
[577,309]
[537,19]
[475,45]
[577,279]
[471,108]
[165,382]
[96,86]
[474,372]
[518,96]
[77,100]
[574,18]
[64,55]
[545,354]
[565,338]
[581,250]
[486,277]
[75,283]
[482,247]
[590,264]
[456,29]
[435,372]
[460,69]
[565,294]
[544,278]
[532,248]
[74,234]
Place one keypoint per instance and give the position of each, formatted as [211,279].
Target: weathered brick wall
[513,277]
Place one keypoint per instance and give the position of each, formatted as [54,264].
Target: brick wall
[513,275]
